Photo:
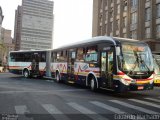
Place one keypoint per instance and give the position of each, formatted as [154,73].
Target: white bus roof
[98,39]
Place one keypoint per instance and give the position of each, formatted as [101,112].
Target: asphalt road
[42,99]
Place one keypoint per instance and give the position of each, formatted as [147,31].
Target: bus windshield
[136,59]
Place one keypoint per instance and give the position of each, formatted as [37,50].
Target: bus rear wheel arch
[26,73]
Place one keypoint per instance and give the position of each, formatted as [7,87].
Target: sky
[72,19]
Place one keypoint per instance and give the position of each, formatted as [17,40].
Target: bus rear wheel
[58,78]
[93,84]
[26,73]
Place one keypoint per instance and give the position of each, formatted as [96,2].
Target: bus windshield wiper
[143,63]
[132,69]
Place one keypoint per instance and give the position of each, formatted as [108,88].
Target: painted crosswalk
[134,107]
[153,99]
[91,114]
[146,103]
[57,114]
[108,107]
[112,106]
[22,110]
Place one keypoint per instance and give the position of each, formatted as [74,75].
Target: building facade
[34,25]
[17,27]
[136,19]
[1,19]
[7,45]
[1,42]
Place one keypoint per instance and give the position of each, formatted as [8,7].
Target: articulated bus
[117,64]
[28,63]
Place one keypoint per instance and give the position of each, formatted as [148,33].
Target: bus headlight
[125,82]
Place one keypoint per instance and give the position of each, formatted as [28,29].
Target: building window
[134,3]
[134,34]
[125,22]
[147,14]
[118,9]
[111,12]
[106,15]
[134,18]
[124,5]
[158,31]
[101,4]
[101,18]
[124,35]
[105,2]
[106,28]
[147,32]
[158,10]
[100,30]
[111,26]
[117,24]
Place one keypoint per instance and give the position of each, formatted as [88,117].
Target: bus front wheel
[26,73]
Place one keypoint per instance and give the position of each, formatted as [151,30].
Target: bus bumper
[120,87]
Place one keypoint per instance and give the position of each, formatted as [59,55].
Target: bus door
[35,64]
[107,68]
[70,70]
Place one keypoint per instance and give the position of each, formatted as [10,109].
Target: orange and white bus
[117,64]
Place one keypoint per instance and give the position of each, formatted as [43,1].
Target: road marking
[51,109]
[153,99]
[107,107]
[22,110]
[38,91]
[134,107]
[56,113]
[146,103]
[93,115]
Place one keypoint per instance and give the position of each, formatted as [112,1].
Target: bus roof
[98,39]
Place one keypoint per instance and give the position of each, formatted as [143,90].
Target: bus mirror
[118,50]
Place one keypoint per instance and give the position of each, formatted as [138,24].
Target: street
[42,99]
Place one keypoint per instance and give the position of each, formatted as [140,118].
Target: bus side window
[110,61]
[92,54]
[20,57]
[43,57]
[65,53]
[27,57]
[80,54]
[53,57]
[12,57]
[61,57]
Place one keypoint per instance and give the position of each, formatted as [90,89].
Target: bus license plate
[140,87]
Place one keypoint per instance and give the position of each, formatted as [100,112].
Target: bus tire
[58,77]
[93,84]
[26,73]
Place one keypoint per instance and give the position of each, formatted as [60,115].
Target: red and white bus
[28,63]
[117,64]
